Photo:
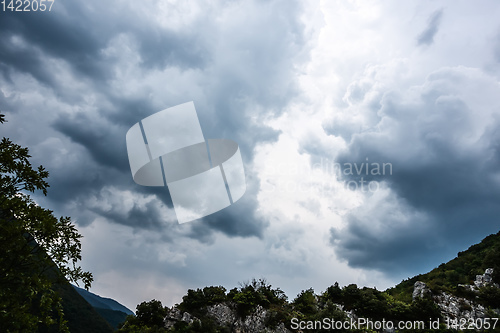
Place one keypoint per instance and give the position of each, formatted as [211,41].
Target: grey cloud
[496,49]
[22,58]
[239,221]
[163,48]
[102,140]
[445,158]
[77,34]
[426,37]
[126,110]
[148,217]
[375,247]
[244,69]
[58,36]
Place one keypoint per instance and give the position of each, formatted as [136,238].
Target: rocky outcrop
[174,316]
[485,279]
[256,322]
[222,313]
[453,307]
[420,290]
[225,314]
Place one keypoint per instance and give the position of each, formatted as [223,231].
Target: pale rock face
[420,290]
[453,307]
[174,315]
[224,314]
[486,279]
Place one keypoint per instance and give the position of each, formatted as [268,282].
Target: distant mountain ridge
[102,302]
[81,316]
[112,311]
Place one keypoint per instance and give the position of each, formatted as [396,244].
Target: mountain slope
[112,311]
[102,302]
[81,316]
[461,270]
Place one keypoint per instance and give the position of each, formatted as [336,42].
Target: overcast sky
[369,132]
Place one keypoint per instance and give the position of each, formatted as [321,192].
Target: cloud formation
[116,70]
[441,140]
[295,84]
[426,37]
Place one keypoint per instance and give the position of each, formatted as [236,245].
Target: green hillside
[270,306]
[461,270]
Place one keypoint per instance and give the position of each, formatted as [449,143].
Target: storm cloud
[297,85]
[222,67]
[441,139]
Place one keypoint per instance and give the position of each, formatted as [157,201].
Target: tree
[256,292]
[148,319]
[36,248]
[151,313]
[334,293]
[306,302]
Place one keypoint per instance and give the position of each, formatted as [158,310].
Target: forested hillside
[462,289]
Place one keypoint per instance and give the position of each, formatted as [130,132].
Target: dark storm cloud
[244,60]
[103,141]
[58,36]
[426,37]
[252,76]
[147,217]
[13,57]
[126,110]
[163,48]
[77,34]
[443,192]
[239,219]
[361,240]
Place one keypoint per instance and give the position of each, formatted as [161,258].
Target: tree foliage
[36,248]
[148,319]
[306,302]
[254,293]
[151,313]
[197,299]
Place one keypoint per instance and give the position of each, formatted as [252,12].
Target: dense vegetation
[366,302]
[335,302]
[148,319]
[461,270]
